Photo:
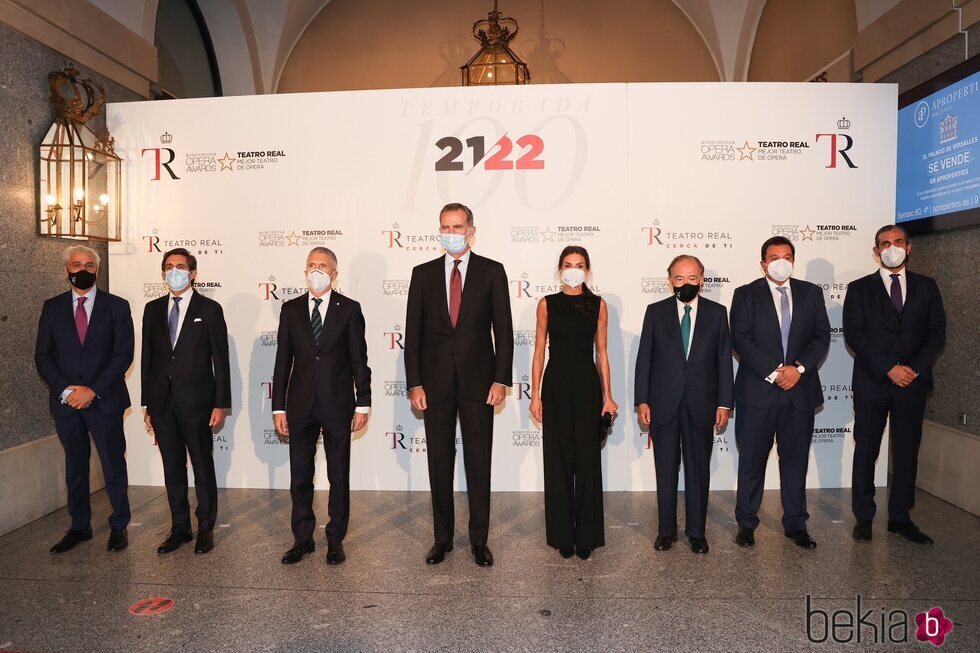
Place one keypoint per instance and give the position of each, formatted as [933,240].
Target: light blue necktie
[173,320]
[785,320]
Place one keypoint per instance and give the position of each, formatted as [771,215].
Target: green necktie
[686,330]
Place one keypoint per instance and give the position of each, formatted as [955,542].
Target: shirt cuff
[363,409]
[725,408]
[772,376]
[501,385]
[65,393]
[414,387]
[278,412]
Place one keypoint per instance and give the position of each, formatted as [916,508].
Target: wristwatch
[800,367]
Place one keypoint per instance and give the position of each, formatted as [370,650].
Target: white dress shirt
[694,319]
[89,296]
[777,298]
[185,301]
[464,262]
[886,277]
[324,306]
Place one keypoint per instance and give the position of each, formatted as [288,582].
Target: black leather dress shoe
[664,542]
[177,537]
[909,531]
[438,553]
[801,539]
[566,551]
[335,554]
[205,542]
[482,555]
[118,540]
[745,537]
[70,539]
[862,531]
[699,545]
[296,553]
[584,554]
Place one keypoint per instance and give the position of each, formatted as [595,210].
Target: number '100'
[530,157]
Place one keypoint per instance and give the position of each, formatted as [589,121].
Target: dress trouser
[907,410]
[755,429]
[676,439]
[476,424]
[303,436]
[110,441]
[179,437]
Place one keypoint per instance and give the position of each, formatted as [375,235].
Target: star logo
[293,238]
[547,235]
[745,152]
[807,233]
[227,163]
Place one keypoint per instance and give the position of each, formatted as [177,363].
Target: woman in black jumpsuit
[569,404]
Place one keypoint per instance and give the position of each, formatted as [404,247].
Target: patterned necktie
[316,321]
[896,292]
[785,320]
[455,293]
[81,320]
[686,330]
[173,321]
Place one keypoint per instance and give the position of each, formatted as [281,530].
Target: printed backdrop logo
[395,238]
[395,287]
[526,438]
[162,157]
[563,233]
[836,391]
[271,291]
[525,338]
[394,338]
[157,244]
[268,339]
[396,389]
[298,238]
[827,435]
[658,235]
[524,288]
[816,233]
[655,286]
[839,144]
[501,155]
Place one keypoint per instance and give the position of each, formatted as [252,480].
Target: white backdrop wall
[636,173]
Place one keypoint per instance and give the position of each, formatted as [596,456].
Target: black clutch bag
[605,423]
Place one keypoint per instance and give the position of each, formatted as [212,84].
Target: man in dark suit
[84,347]
[684,390]
[453,368]
[781,334]
[186,391]
[321,382]
[895,324]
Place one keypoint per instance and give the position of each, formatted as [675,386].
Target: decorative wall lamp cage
[80,173]
[495,64]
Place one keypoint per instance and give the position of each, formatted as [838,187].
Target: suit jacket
[195,373]
[881,338]
[758,343]
[703,381]
[434,351]
[327,376]
[99,364]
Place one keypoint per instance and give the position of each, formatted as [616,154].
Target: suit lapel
[473,268]
[331,321]
[100,311]
[192,310]
[69,319]
[884,293]
[674,327]
[439,274]
[769,309]
[699,327]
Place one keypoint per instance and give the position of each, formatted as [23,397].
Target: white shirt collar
[693,304]
[463,260]
[90,294]
[325,297]
[186,295]
[886,274]
[773,286]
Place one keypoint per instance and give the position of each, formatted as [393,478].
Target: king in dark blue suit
[84,347]
[781,334]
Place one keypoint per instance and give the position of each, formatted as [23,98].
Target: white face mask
[573,277]
[318,281]
[454,243]
[780,269]
[178,279]
[893,257]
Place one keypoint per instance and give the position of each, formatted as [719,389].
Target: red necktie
[81,320]
[455,293]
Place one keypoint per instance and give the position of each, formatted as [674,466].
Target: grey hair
[84,250]
[323,250]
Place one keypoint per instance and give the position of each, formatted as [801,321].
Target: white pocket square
[197,319]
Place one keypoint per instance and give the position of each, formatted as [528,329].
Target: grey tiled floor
[627,597]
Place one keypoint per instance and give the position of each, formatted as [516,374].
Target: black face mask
[687,292]
[83,279]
